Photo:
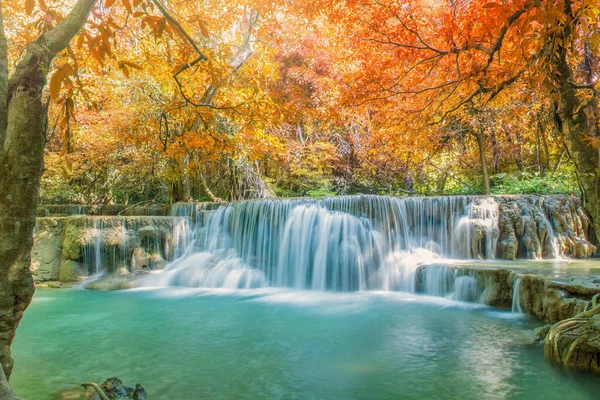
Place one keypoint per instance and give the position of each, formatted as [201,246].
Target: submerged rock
[541,332]
[115,389]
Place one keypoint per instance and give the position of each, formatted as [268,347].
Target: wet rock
[70,271]
[115,390]
[111,282]
[139,393]
[548,298]
[541,332]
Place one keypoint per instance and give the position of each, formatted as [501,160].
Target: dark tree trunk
[575,127]
[483,161]
[22,140]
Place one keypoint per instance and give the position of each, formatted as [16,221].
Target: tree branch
[97,388]
[178,26]
[239,58]
[59,37]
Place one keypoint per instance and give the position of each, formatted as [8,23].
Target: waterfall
[344,243]
[516,296]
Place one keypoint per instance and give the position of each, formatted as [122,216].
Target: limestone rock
[111,282]
[46,249]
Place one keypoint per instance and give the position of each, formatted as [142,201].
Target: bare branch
[178,26]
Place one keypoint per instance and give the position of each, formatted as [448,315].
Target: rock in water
[114,389]
[541,332]
[139,393]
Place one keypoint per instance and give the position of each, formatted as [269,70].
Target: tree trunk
[572,122]
[21,166]
[207,190]
[484,168]
[538,148]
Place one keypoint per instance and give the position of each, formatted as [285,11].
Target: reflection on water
[281,344]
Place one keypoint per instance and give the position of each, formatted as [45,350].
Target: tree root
[569,350]
[97,388]
[593,303]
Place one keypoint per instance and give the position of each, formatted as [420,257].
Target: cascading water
[516,297]
[339,243]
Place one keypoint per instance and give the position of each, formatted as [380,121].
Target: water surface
[281,344]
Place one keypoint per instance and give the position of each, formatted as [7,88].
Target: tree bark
[572,122]
[484,168]
[21,167]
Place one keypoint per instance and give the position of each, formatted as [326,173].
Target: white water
[337,244]
[516,297]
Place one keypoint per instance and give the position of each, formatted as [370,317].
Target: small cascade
[110,244]
[92,253]
[466,288]
[452,283]
[516,296]
[551,238]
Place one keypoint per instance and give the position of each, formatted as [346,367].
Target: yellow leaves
[29,4]
[62,75]
[203,29]
[55,84]
[108,3]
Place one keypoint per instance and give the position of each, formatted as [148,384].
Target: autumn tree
[22,141]
[423,63]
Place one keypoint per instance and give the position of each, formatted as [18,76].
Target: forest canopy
[178,100]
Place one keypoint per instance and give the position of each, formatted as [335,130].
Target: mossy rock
[70,271]
[111,282]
